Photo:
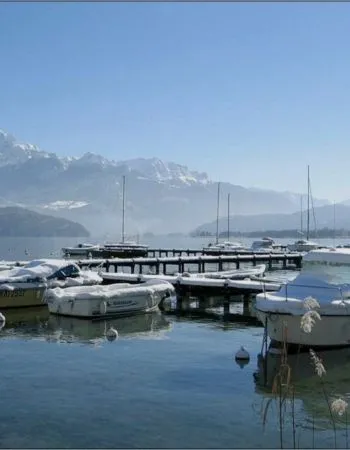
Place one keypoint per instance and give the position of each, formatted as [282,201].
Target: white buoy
[112,334]
[242,354]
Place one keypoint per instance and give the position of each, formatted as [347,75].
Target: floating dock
[185,284]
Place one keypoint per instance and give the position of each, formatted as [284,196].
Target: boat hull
[119,253]
[100,307]
[330,331]
[22,297]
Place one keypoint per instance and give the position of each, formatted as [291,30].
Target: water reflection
[38,323]
[310,389]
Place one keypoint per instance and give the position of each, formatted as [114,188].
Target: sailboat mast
[123,213]
[301,214]
[308,204]
[333,224]
[217,214]
[228,216]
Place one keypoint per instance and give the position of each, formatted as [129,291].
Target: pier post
[270,262]
[132,267]
[140,269]
[164,268]
[220,265]
[226,306]
[285,262]
[226,302]
[157,266]
[246,303]
[181,266]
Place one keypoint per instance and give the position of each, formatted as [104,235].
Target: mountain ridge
[22,222]
[161,196]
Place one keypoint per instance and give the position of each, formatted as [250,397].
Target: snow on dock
[288,260]
[233,286]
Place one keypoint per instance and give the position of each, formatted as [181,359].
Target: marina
[169,354]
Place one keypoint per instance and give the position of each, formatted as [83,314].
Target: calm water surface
[165,382]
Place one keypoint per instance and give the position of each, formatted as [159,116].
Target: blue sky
[249,92]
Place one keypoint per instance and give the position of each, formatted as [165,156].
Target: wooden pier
[165,252]
[182,263]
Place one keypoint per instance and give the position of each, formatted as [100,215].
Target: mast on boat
[308,204]
[334,233]
[123,213]
[228,217]
[217,214]
[301,215]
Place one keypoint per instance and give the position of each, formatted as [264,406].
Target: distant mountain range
[321,217]
[20,222]
[161,196]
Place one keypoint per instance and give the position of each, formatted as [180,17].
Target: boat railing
[338,289]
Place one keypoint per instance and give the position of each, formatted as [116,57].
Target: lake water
[166,382]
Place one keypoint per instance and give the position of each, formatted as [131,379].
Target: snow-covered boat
[314,308]
[26,285]
[222,248]
[80,250]
[108,300]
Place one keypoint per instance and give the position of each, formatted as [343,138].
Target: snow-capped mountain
[161,196]
[165,172]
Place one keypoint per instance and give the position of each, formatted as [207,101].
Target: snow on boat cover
[57,272]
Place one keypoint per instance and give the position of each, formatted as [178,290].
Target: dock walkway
[161,264]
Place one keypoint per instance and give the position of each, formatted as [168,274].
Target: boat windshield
[331,272]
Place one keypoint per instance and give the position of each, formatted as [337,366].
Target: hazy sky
[249,92]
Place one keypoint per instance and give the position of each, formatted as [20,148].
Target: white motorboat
[293,316]
[108,300]
[303,245]
[265,245]
[26,285]
[227,247]
[80,250]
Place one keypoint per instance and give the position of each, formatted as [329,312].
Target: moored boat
[126,249]
[26,286]
[312,310]
[109,300]
[79,250]
[225,248]
[303,245]
[265,245]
